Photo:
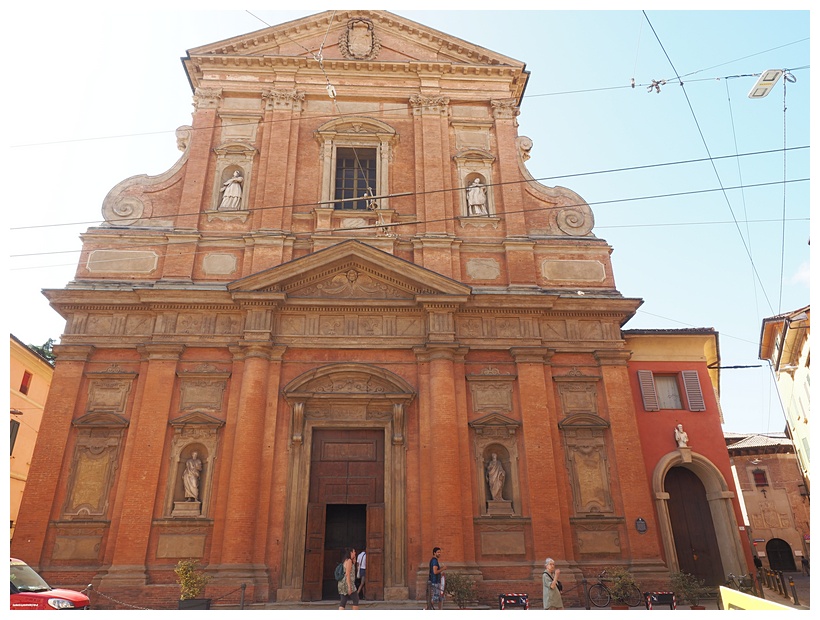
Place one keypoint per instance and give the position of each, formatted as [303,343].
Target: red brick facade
[237,334]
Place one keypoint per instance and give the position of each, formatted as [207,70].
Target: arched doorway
[780,555]
[692,528]
[333,405]
[730,556]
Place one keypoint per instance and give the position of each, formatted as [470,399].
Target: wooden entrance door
[692,526]
[346,469]
[780,555]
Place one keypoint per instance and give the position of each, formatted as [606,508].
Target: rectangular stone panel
[77,547]
[606,541]
[122,261]
[502,543]
[181,546]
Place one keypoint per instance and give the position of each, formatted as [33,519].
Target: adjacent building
[776,498]
[675,377]
[785,343]
[29,382]
[349,316]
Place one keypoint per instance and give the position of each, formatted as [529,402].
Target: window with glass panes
[355,176]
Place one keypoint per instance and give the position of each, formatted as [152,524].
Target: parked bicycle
[742,583]
[601,596]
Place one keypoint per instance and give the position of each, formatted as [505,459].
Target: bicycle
[742,583]
[601,596]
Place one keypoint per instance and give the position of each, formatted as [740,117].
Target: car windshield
[25,579]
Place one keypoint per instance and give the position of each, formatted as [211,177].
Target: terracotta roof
[772,440]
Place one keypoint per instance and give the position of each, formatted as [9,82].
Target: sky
[702,193]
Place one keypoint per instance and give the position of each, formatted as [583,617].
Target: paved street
[801,586]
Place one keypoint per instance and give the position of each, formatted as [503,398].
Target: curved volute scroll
[126,205]
[569,213]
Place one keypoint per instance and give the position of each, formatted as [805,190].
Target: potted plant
[461,588]
[688,589]
[192,582]
[625,591]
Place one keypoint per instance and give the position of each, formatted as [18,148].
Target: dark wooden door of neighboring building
[692,526]
[780,555]
[345,508]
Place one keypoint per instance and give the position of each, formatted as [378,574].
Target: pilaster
[141,476]
[49,451]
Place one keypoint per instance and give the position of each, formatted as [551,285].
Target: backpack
[339,573]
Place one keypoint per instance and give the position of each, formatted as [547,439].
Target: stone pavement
[801,585]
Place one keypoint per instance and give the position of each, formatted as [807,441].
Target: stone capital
[72,353]
[161,351]
[531,355]
[612,358]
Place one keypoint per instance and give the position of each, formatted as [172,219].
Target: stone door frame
[346,396]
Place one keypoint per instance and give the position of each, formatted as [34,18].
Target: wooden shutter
[650,396]
[694,395]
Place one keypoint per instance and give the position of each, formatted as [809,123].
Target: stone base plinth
[499,507]
[187,509]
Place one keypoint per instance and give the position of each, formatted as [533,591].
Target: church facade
[347,316]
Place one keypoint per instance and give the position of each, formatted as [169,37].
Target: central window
[355,177]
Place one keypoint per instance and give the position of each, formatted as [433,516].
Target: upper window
[760,478]
[355,177]
[355,158]
[25,384]
[662,391]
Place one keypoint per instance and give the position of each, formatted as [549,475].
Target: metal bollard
[782,578]
[794,592]
[586,592]
[242,596]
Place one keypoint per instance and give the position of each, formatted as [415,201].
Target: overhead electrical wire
[435,191]
[445,219]
[714,168]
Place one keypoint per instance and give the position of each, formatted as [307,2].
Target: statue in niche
[495,477]
[231,193]
[681,436]
[190,477]
[477,198]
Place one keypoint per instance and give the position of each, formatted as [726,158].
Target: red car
[30,591]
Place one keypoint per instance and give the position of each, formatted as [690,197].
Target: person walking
[361,573]
[550,583]
[435,581]
[346,587]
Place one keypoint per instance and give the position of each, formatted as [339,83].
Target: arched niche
[193,432]
[472,164]
[496,433]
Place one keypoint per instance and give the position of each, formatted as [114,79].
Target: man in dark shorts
[435,589]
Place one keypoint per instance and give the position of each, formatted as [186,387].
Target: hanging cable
[788,78]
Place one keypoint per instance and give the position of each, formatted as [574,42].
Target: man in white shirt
[361,562]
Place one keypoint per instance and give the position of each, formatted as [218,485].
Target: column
[441,455]
[49,452]
[628,457]
[239,541]
[140,477]
[543,465]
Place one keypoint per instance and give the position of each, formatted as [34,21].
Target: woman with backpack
[346,585]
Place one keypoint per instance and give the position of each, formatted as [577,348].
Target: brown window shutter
[650,397]
[694,395]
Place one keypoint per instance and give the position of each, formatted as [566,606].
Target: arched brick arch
[720,505]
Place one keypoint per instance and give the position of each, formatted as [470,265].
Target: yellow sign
[732,599]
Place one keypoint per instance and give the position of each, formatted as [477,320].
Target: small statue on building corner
[681,436]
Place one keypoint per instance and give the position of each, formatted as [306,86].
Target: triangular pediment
[356,35]
[350,270]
